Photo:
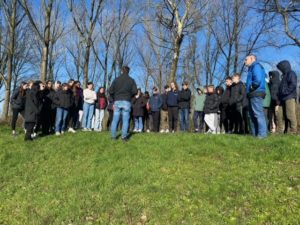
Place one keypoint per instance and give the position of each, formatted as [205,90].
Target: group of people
[264,104]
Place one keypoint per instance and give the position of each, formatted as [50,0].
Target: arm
[292,82]
[258,77]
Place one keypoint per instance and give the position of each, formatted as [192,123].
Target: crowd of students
[55,107]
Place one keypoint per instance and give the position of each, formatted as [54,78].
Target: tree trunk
[10,56]
[177,45]
[86,65]
[44,63]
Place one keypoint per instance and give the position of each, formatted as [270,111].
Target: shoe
[162,131]
[167,131]
[125,139]
[134,130]
[62,132]
[173,131]
[33,135]
[71,130]
[84,129]
[139,131]
[148,131]
[57,133]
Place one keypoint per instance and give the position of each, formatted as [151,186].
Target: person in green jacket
[198,110]
[267,103]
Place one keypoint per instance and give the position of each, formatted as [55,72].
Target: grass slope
[85,178]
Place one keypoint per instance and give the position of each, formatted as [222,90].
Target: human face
[25,86]
[185,87]
[90,86]
[173,86]
[101,90]
[210,89]
[228,83]
[249,60]
[49,84]
[65,88]
[236,79]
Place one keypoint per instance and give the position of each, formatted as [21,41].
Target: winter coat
[32,106]
[123,88]
[155,102]
[237,95]
[18,100]
[164,97]
[256,84]
[63,99]
[110,106]
[225,99]
[274,85]
[199,101]
[101,102]
[138,106]
[184,99]
[211,104]
[288,84]
[172,98]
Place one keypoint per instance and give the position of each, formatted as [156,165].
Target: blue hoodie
[256,83]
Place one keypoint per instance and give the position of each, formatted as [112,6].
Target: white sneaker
[71,130]
[62,132]
[84,129]
[139,131]
[135,130]
[57,133]
[162,131]
[167,131]
[148,131]
[33,135]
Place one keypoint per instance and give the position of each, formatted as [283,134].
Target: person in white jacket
[89,97]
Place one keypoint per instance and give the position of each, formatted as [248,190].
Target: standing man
[288,97]
[256,91]
[122,90]
[184,106]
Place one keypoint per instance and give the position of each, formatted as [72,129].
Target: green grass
[85,178]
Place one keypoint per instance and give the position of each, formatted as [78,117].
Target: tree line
[200,41]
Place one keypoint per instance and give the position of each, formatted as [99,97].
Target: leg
[85,115]
[175,116]
[291,114]
[14,119]
[58,120]
[90,116]
[102,112]
[115,121]
[258,112]
[187,119]
[64,120]
[125,118]
[29,130]
[97,119]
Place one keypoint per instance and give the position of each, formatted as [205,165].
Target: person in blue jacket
[256,91]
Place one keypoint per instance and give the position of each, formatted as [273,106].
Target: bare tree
[85,20]
[180,18]
[43,33]
[289,17]
[13,19]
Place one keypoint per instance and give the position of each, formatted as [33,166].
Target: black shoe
[125,139]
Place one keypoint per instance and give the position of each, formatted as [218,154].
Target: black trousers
[110,118]
[173,118]
[15,118]
[238,120]
[73,117]
[156,120]
[29,130]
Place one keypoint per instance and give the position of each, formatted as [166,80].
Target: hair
[236,75]
[22,91]
[176,86]
[125,69]
[185,83]
[71,80]
[228,78]
[166,87]
[58,82]
[90,83]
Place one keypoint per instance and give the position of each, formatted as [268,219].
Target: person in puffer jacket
[287,96]
[155,106]
[198,118]
[101,104]
[211,108]
[184,99]
[274,89]
[172,102]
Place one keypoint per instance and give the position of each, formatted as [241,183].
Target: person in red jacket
[100,106]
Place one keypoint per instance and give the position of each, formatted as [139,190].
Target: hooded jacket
[288,84]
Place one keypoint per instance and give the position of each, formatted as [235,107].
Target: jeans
[99,115]
[184,119]
[138,123]
[257,117]
[61,119]
[198,126]
[88,112]
[121,108]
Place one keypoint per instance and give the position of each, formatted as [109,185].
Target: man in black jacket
[184,106]
[122,90]
[211,108]
[274,106]
[287,95]
[226,110]
[237,99]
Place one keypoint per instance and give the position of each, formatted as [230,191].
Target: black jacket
[32,106]
[63,99]
[184,99]
[164,102]
[225,98]
[288,84]
[274,85]
[238,95]
[211,104]
[172,98]
[138,106]
[18,100]
[110,106]
[123,88]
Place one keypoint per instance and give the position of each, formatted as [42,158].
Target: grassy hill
[86,178]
